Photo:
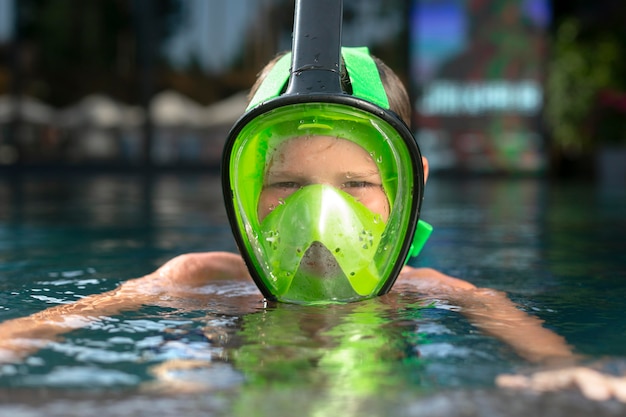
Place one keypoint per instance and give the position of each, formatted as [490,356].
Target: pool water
[557,249]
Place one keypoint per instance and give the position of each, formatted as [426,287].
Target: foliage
[581,67]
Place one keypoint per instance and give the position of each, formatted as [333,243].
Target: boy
[323,164]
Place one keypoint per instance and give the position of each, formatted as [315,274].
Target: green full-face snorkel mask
[321,244]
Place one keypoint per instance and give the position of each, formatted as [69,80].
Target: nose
[320,261]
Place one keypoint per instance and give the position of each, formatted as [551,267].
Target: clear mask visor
[324,197]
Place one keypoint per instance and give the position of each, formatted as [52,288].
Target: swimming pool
[556,248]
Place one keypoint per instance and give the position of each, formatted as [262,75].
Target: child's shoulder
[428,279]
[197,269]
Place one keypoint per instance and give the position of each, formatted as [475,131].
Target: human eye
[359,184]
[286,185]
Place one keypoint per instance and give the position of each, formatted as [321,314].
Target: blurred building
[162,80]
[480,72]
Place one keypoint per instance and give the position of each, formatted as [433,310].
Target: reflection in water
[343,354]
[352,346]
[341,357]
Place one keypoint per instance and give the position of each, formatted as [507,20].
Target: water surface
[555,248]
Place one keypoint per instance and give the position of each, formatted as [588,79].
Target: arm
[177,278]
[496,315]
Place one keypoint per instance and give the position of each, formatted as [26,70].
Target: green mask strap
[422,233]
[364,76]
[274,82]
[361,68]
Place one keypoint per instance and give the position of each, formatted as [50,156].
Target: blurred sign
[478,70]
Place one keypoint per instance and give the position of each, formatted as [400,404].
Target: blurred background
[499,86]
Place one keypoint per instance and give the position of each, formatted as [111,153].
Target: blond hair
[397,94]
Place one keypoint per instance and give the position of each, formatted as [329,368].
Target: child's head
[341,155]
[323,191]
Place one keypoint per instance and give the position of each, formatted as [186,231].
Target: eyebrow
[297,174]
[360,174]
[283,173]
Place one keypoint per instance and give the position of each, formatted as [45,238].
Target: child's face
[323,160]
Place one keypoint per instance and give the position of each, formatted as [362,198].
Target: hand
[593,384]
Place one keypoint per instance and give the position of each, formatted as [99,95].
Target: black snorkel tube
[316,50]
[316,76]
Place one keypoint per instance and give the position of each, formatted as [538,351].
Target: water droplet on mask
[273,239]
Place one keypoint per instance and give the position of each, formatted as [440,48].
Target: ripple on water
[82,376]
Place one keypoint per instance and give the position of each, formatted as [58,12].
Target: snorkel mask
[319,241]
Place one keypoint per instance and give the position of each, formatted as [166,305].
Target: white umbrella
[31,110]
[170,108]
[100,111]
[225,112]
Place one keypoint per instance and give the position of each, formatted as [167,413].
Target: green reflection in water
[339,357]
